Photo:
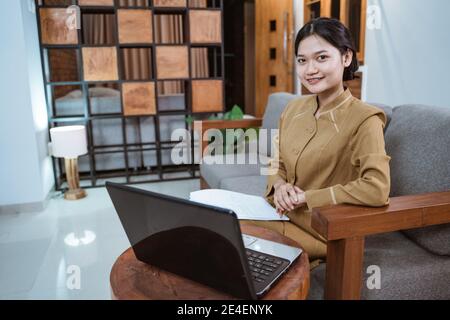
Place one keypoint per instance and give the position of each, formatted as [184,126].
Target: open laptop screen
[196,241]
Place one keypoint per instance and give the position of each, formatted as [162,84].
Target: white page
[246,207]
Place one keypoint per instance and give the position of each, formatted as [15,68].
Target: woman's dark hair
[338,35]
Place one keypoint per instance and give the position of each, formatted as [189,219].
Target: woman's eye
[301,60]
[321,58]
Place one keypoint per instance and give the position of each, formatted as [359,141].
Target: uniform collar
[336,103]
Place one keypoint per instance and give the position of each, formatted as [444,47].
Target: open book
[245,206]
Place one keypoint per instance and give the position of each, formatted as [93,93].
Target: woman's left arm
[372,187]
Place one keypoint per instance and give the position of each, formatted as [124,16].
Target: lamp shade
[68,141]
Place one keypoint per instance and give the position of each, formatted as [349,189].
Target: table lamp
[69,142]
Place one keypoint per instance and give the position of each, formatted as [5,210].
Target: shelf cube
[138,98]
[205,26]
[135,26]
[54,29]
[172,62]
[207,95]
[100,64]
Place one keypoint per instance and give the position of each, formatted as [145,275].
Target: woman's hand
[287,197]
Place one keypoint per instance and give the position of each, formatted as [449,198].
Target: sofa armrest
[345,226]
[405,212]
[202,126]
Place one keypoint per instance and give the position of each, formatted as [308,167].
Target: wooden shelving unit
[73,65]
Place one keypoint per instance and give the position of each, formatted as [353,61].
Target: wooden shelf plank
[169,3]
[96,2]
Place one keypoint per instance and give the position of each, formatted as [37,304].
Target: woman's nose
[311,68]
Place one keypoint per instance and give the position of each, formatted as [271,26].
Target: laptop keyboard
[262,266]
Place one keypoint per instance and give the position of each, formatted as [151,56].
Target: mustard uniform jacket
[338,158]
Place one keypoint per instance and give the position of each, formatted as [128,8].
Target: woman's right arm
[279,193]
[277,170]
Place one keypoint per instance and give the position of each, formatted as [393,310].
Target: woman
[330,147]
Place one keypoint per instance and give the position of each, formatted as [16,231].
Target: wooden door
[274,69]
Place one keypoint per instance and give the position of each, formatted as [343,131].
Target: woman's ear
[348,58]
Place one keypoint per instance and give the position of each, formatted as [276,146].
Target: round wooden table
[131,279]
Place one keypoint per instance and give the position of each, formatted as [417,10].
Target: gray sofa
[413,263]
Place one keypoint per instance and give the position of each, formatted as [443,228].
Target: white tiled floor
[35,256]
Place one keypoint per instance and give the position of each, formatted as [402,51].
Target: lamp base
[74,194]
[73,180]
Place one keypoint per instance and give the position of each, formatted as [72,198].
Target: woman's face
[320,66]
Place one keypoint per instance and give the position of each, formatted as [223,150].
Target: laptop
[200,242]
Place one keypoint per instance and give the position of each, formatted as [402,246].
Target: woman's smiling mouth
[314,80]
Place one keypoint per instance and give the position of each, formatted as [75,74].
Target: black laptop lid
[196,241]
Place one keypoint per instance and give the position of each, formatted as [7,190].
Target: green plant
[235,113]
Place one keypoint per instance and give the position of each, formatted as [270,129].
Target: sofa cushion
[417,140]
[435,239]
[276,103]
[407,271]
[254,185]
[214,172]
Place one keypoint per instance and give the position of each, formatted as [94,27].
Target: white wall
[25,168]
[408,58]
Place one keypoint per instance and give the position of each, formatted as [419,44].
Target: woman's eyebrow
[315,53]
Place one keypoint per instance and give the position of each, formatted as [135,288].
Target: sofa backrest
[418,141]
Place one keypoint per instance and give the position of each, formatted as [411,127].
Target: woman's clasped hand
[287,197]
